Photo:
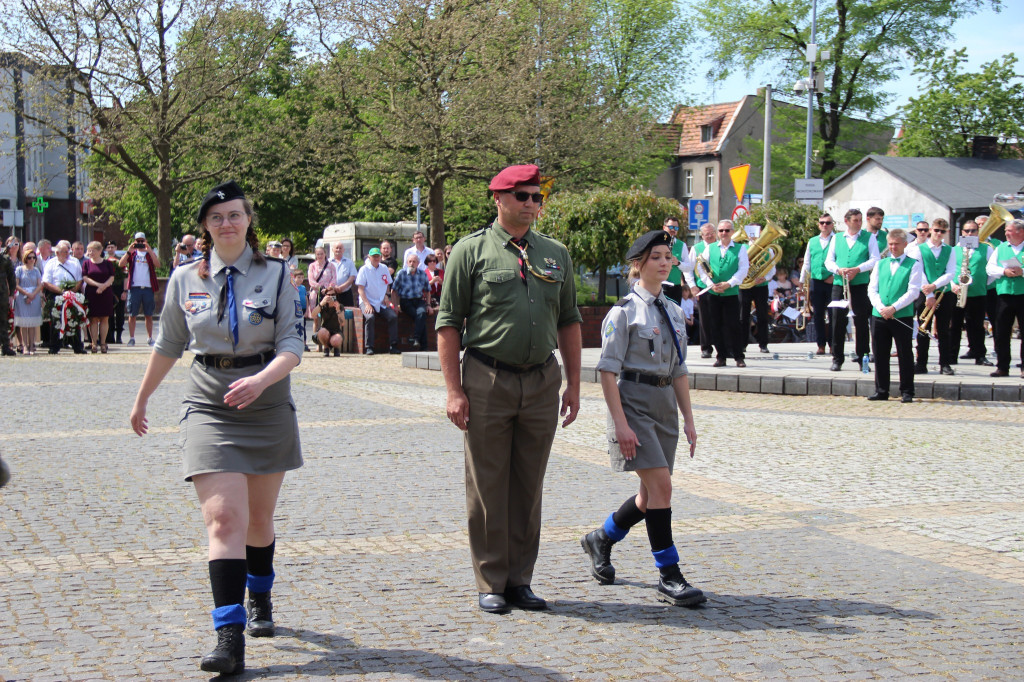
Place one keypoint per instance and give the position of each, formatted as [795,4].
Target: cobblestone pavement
[836,539]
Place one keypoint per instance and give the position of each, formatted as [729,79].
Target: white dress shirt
[824,241]
[995,267]
[913,288]
[914,251]
[851,239]
[691,256]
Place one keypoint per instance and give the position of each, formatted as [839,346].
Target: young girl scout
[240,314]
[643,376]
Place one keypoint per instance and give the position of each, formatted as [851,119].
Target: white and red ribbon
[68,301]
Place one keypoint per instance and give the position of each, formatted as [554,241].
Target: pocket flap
[498,276]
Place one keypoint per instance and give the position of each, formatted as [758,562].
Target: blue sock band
[232,614]
[666,557]
[613,531]
[259,584]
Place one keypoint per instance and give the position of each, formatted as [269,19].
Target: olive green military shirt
[512,320]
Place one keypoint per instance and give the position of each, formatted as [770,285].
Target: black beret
[648,241]
[218,195]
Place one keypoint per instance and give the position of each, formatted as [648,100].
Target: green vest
[847,257]
[674,276]
[818,252]
[935,267]
[979,278]
[892,286]
[1013,286]
[883,240]
[994,243]
[724,267]
[698,249]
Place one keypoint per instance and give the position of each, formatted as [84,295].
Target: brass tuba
[1000,216]
[763,254]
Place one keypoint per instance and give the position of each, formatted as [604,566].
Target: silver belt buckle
[225,362]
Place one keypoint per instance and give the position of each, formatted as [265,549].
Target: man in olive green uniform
[8,284]
[514,291]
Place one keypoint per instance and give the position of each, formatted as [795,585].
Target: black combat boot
[228,658]
[261,615]
[673,588]
[598,545]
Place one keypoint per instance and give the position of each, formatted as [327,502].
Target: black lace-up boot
[598,546]
[228,657]
[261,616]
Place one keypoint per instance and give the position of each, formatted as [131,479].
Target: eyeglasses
[671,227]
[939,230]
[825,222]
[216,219]
[30,257]
[724,231]
[522,197]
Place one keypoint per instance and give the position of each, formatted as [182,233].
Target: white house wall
[871,185]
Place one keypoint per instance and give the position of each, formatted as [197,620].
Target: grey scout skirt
[652,413]
[261,439]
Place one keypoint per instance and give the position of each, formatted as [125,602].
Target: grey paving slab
[835,538]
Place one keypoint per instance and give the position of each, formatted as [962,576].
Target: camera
[140,243]
[182,248]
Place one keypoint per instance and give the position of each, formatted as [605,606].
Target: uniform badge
[197,302]
[255,317]
[298,328]
[610,329]
[298,308]
[551,263]
[259,288]
[657,330]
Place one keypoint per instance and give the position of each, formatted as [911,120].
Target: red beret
[515,175]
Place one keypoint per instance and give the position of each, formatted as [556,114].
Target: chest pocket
[552,291]
[648,344]
[500,286]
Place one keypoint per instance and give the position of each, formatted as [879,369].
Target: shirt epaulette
[189,263]
[622,301]
[279,260]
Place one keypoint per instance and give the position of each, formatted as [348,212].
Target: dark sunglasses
[825,222]
[939,230]
[725,231]
[30,257]
[521,197]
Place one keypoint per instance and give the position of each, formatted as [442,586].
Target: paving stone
[706,381]
[819,386]
[772,384]
[975,391]
[946,391]
[795,385]
[727,382]
[749,383]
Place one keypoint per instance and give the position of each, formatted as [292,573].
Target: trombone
[805,314]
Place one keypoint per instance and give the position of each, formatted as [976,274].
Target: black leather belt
[235,361]
[649,379]
[498,364]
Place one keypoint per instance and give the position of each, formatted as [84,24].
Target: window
[707,133]
[709,181]
[687,183]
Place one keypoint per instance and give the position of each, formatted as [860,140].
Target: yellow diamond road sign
[739,175]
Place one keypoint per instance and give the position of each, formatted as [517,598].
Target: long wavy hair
[250,239]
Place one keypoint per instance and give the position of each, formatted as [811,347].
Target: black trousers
[116,327]
[704,320]
[942,322]
[861,322]
[883,334]
[821,294]
[1011,307]
[759,297]
[725,326]
[973,317]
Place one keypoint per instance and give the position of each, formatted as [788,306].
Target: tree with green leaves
[869,41]
[955,105]
[599,226]
[153,76]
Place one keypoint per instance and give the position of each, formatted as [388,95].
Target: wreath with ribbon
[67,310]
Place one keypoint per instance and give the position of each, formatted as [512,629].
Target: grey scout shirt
[635,337]
[191,310]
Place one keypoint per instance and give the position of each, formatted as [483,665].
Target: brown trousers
[512,422]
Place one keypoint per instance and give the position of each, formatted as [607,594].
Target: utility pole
[766,182]
[812,49]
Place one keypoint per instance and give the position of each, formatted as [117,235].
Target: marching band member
[1005,264]
[729,265]
[821,279]
[973,314]
[892,289]
[939,264]
[875,217]
[693,279]
[758,296]
[851,255]
[674,285]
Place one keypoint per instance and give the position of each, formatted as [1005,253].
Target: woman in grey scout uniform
[643,375]
[239,313]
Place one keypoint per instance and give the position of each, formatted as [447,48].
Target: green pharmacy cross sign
[40,204]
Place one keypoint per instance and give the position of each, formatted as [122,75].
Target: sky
[987,36]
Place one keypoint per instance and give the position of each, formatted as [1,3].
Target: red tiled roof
[690,119]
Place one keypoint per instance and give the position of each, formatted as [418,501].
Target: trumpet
[805,314]
[927,317]
[964,280]
[846,294]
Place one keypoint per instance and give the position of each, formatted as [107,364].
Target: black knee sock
[260,559]
[628,514]
[227,579]
[659,528]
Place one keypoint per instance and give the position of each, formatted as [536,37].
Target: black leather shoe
[705,354]
[764,349]
[739,363]
[337,352]
[228,658]
[879,395]
[983,361]
[836,366]
[966,356]
[673,588]
[260,622]
[7,350]
[907,398]
[1000,373]
[947,370]
[920,369]
[491,602]
[719,363]
[598,546]
[523,597]
[820,351]
[394,351]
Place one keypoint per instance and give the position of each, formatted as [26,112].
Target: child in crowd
[298,279]
[686,303]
